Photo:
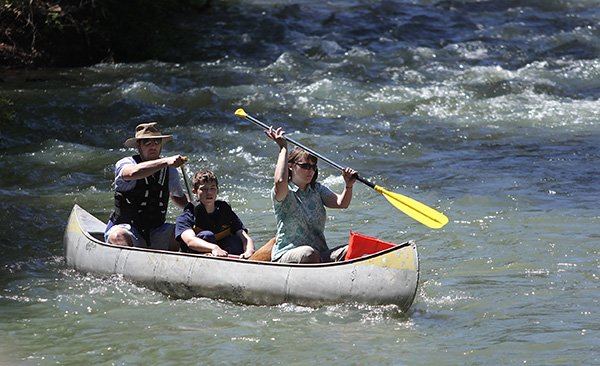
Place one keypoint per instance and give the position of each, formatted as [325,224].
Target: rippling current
[485,110]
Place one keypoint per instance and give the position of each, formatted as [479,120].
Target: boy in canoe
[299,202]
[211,226]
[144,183]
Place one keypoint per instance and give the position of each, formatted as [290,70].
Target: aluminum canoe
[388,277]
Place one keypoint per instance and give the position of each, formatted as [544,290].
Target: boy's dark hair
[204,176]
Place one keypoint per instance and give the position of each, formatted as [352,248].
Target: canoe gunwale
[90,236]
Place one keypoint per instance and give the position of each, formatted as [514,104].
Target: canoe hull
[390,277]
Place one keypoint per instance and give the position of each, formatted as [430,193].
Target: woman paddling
[299,202]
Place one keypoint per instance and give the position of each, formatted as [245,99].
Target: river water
[485,110]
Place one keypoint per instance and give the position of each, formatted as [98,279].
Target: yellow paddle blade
[418,211]
[240,112]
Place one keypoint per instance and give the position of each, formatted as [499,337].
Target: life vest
[219,222]
[145,206]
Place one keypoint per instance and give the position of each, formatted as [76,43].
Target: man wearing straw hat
[143,185]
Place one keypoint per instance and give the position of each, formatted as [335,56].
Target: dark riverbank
[79,33]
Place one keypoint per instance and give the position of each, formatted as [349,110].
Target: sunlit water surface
[487,111]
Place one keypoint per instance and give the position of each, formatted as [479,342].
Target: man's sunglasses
[148,142]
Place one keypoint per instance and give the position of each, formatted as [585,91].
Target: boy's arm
[199,245]
[248,244]
[237,228]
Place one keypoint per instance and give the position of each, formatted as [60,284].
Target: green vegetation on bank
[84,32]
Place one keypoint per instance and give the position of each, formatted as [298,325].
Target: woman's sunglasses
[307,166]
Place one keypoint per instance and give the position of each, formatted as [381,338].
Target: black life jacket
[145,206]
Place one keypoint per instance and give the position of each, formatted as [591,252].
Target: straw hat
[147,131]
